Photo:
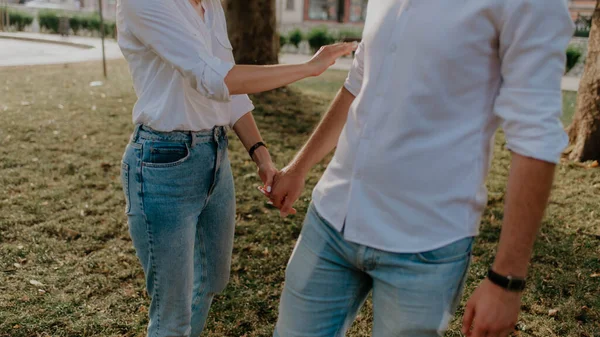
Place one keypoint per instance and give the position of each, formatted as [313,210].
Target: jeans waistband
[143,132]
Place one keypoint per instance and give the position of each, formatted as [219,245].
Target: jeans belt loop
[136,133]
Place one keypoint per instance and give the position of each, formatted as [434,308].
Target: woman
[176,174]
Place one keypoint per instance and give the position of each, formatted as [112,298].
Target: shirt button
[393,48]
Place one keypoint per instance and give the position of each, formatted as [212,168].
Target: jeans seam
[203,263]
[353,301]
[150,248]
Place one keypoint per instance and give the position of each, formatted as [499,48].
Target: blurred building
[298,13]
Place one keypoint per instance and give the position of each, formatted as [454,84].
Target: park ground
[67,267]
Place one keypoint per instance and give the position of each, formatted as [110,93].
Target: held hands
[491,311]
[288,185]
[327,55]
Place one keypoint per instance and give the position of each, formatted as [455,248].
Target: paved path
[22,49]
[27,49]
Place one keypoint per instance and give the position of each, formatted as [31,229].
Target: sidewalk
[34,49]
[23,49]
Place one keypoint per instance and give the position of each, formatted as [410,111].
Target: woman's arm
[158,25]
[249,135]
[244,79]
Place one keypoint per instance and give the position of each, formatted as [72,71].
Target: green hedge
[50,21]
[283,40]
[295,37]
[19,19]
[573,56]
[319,37]
[349,34]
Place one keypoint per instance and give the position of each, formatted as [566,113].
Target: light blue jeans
[181,211]
[328,279]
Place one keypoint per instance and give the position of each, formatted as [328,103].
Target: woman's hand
[267,173]
[327,55]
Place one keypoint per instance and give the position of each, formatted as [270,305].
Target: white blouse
[178,63]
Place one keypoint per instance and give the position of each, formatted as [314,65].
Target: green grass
[62,221]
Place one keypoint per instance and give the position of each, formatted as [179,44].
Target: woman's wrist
[261,156]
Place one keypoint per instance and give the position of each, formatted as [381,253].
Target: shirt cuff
[240,106]
[213,76]
[531,123]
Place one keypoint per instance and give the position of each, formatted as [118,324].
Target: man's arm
[528,190]
[532,43]
[529,185]
[289,183]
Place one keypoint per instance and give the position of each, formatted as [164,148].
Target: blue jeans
[328,279]
[181,213]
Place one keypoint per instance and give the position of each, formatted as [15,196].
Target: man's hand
[287,188]
[491,311]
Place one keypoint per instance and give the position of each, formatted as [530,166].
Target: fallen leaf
[594,275]
[17,265]
[25,103]
[36,283]
[552,312]
[594,164]
[96,84]
[60,106]
[41,291]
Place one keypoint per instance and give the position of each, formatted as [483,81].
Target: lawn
[67,267]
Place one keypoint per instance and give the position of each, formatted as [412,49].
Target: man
[396,211]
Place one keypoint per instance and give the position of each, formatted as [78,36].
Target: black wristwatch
[506,282]
[254,148]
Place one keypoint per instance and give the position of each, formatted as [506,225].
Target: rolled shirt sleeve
[158,25]
[240,106]
[533,40]
[354,80]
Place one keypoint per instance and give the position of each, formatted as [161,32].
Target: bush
[20,19]
[582,33]
[319,37]
[76,23]
[349,35]
[93,23]
[283,40]
[573,56]
[49,20]
[295,37]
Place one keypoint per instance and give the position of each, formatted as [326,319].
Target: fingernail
[269,189]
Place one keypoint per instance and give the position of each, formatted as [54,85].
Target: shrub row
[19,19]
[319,36]
[50,20]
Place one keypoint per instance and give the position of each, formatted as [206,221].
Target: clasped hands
[283,187]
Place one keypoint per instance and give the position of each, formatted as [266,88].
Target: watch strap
[506,282]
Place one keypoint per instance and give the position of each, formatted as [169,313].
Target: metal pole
[102,36]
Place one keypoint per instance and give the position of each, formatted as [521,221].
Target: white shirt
[433,81]
[178,63]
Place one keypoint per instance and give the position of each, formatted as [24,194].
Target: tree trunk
[252,26]
[584,132]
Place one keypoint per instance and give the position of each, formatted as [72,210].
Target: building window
[358,10]
[290,5]
[327,10]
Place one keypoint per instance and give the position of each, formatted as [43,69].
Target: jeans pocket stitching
[126,190]
[173,164]
[445,260]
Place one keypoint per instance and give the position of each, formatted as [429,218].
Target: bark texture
[584,132]
[252,26]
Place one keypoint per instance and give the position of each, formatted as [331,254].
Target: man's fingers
[468,319]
